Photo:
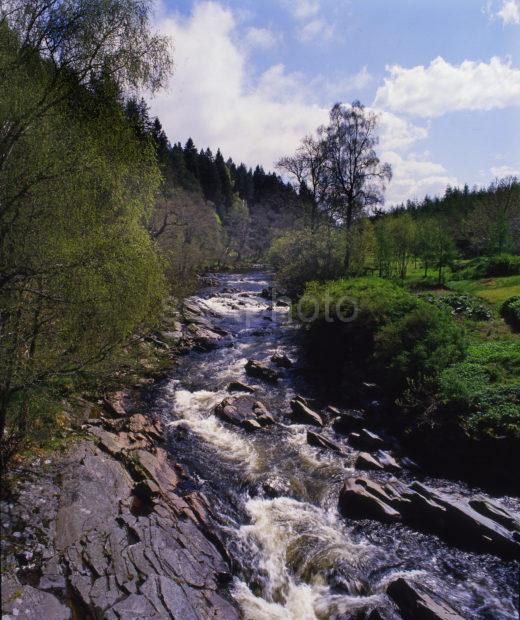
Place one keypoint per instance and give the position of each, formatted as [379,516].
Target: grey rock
[259,370]
[415,603]
[319,441]
[303,414]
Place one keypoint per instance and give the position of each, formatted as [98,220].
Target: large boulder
[257,369]
[366,440]
[303,414]
[415,603]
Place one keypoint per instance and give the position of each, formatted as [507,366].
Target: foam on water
[195,409]
[296,542]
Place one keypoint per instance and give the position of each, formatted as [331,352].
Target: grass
[493,290]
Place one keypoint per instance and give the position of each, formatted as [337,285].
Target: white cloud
[316,29]
[505,171]
[510,12]
[260,38]
[414,177]
[214,99]
[442,87]
[303,9]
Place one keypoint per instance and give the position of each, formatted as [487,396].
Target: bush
[483,390]
[510,310]
[307,255]
[461,305]
[419,345]
[490,267]
[394,333]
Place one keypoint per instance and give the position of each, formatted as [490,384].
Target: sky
[252,77]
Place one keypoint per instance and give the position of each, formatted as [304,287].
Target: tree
[308,166]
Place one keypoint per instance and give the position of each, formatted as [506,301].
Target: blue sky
[253,77]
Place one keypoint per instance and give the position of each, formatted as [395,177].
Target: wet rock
[238,386]
[496,513]
[303,414]
[347,421]
[276,486]
[259,370]
[387,461]
[242,411]
[281,360]
[252,425]
[361,498]
[429,510]
[366,439]
[204,338]
[415,603]
[319,441]
[366,461]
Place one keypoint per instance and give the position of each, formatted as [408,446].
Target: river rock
[430,510]
[362,498]
[257,369]
[347,421]
[303,414]
[204,338]
[415,603]
[281,360]
[242,411]
[319,441]
[238,386]
[387,461]
[251,425]
[366,439]
[366,461]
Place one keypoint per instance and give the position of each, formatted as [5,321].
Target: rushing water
[294,556]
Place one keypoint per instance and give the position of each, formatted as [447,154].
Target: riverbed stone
[347,421]
[281,360]
[363,498]
[416,603]
[303,414]
[257,369]
[366,461]
[238,386]
[320,441]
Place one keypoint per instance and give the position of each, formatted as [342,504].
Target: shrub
[307,255]
[461,305]
[483,390]
[489,267]
[394,333]
[420,344]
[510,310]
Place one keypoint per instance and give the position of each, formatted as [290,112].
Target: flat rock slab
[415,603]
[125,543]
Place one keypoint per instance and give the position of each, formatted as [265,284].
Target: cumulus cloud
[260,38]
[214,98]
[442,87]
[303,9]
[316,29]
[415,176]
[505,171]
[509,13]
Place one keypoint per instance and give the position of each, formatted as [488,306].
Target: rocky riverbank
[113,527]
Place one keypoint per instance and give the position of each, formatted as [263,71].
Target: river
[293,555]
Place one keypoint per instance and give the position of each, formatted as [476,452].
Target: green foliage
[460,305]
[419,345]
[483,391]
[489,267]
[396,334]
[510,310]
[307,254]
